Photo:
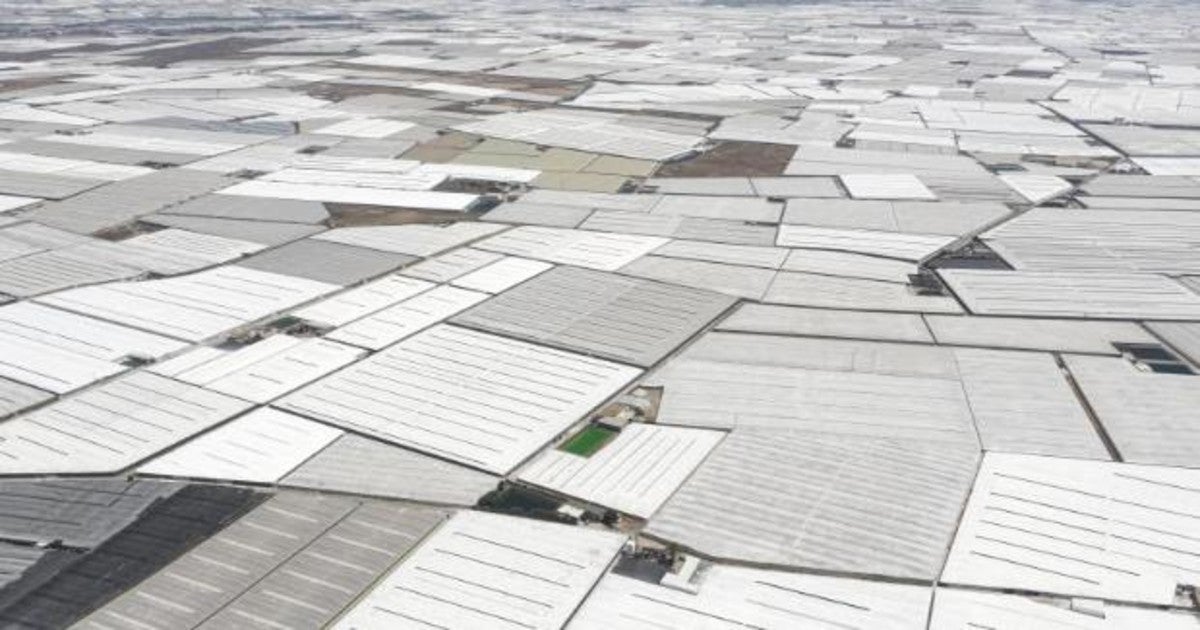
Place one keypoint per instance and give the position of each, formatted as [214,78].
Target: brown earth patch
[733,159]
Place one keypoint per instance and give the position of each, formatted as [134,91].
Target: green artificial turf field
[588,441]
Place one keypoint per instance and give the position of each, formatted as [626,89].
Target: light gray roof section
[16,397]
[814,322]
[253,208]
[452,264]
[53,270]
[533,213]
[820,187]
[842,355]
[1022,403]
[885,186]
[592,200]
[122,201]
[77,512]
[980,187]
[597,313]
[852,400]
[898,245]
[837,503]
[733,186]
[370,147]
[948,217]
[183,133]
[107,428]
[820,160]
[733,280]
[1058,239]
[716,230]
[354,464]
[1053,335]
[266,233]
[1080,528]
[849,265]
[844,213]
[1139,203]
[43,185]
[1072,294]
[1184,337]
[808,289]
[747,255]
[326,261]
[28,237]
[730,380]
[738,597]
[736,395]
[954,607]
[196,306]
[449,391]
[112,155]
[754,209]
[1174,186]
[226,126]
[414,239]
[318,550]
[1193,283]
[166,252]
[483,570]
[954,218]
[1150,417]
[1139,140]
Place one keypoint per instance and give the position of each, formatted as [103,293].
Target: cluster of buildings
[600,316]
